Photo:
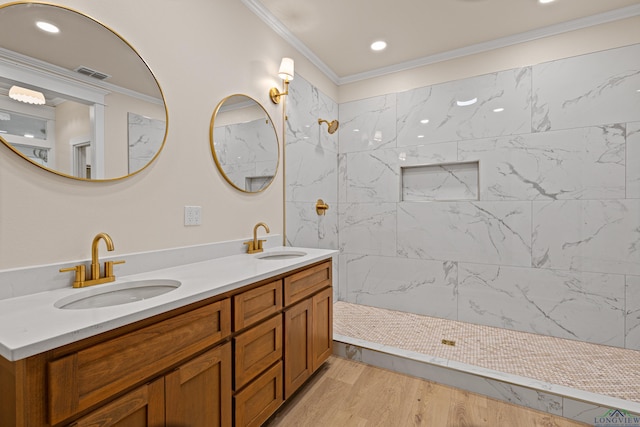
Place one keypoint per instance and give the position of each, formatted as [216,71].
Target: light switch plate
[192,215]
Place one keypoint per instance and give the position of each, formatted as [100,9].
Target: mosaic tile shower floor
[595,368]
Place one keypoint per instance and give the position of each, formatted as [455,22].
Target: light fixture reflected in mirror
[25,95]
[286,74]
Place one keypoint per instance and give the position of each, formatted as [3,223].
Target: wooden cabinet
[141,407]
[308,325]
[230,360]
[322,327]
[89,376]
[198,393]
[258,354]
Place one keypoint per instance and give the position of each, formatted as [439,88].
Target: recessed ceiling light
[498,110]
[424,121]
[467,102]
[356,130]
[420,136]
[48,27]
[545,1]
[378,45]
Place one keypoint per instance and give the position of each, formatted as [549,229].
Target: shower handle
[321,207]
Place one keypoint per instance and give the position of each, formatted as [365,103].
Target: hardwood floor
[345,393]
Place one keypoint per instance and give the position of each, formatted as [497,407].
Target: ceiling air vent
[92,73]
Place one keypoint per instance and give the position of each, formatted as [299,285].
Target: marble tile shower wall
[311,167]
[552,246]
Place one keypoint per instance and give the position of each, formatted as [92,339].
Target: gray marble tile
[632,324]
[305,228]
[410,285]
[374,176]
[587,235]
[586,90]
[368,228]
[342,178]
[585,163]
[433,114]
[311,153]
[448,181]
[482,232]
[566,304]
[368,124]
[633,160]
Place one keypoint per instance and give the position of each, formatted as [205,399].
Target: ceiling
[336,34]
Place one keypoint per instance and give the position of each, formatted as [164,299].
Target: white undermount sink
[279,255]
[121,293]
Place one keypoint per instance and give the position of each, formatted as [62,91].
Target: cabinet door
[260,399]
[256,349]
[297,346]
[322,325]
[198,393]
[142,407]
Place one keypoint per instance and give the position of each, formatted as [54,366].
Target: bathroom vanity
[227,354]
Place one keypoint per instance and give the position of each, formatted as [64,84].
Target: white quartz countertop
[31,324]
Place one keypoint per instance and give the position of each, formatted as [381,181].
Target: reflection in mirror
[103,115]
[244,143]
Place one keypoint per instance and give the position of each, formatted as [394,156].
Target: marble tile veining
[587,235]
[418,286]
[567,304]
[437,113]
[585,163]
[633,160]
[368,124]
[587,90]
[482,232]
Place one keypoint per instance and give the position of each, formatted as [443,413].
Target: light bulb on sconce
[286,74]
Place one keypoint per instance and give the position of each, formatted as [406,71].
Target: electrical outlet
[192,215]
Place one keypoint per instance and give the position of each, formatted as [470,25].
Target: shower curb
[554,399]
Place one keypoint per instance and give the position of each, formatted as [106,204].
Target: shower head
[333,125]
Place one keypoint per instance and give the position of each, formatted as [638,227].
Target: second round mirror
[244,143]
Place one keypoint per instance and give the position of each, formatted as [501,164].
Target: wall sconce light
[26,95]
[286,74]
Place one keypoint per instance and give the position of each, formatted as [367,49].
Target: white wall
[201,47]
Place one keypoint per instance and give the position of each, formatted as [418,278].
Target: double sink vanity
[214,343]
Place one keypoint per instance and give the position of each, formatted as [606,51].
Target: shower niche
[440,182]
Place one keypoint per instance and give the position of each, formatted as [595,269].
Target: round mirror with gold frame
[76,99]
[244,143]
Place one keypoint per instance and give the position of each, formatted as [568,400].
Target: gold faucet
[81,279]
[255,245]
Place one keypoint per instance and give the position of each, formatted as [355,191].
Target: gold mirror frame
[251,139]
[144,95]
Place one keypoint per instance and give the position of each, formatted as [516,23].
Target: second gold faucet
[255,245]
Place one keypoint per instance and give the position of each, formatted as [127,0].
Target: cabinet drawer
[84,378]
[260,399]
[300,285]
[257,349]
[252,306]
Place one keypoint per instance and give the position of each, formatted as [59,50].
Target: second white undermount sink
[279,255]
[121,293]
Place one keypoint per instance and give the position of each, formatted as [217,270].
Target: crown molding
[274,23]
[614,15]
